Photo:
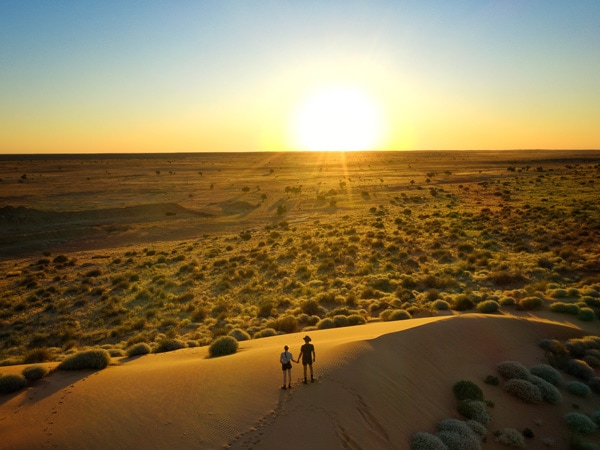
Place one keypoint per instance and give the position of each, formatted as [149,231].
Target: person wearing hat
[286,359]
[307,353]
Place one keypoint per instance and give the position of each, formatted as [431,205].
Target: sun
[337,118]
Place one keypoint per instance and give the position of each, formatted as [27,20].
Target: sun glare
[337,118]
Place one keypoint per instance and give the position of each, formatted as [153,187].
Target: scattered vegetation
[492,241]
[328,253]
[540,383]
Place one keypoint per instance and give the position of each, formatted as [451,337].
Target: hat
[307,338]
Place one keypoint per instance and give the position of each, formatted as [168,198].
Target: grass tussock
[224,345]
[11,383]
[96,359]
[34,373]
[139,349]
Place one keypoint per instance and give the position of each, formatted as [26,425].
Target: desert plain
[411,271]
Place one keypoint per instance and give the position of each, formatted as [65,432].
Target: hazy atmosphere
[276,76]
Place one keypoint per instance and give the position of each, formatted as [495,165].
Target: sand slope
[377,385]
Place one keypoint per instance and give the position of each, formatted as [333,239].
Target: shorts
[286,366]
[306,362]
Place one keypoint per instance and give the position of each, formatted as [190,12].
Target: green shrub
[426,441]
[325,324]
[34,373]
[265,332]
[510,437]
[564,308]
[478,428]
[591,301]
[507,301]
[531,303]
[340,321]
[169,345]
[578,388]
[224,345]
[579,369]
[550,393]
[239,335]
[457,435]
[311,307]
[595,416]
[463,303]
[286,324]
[12,383]
[548,373]
[38,355]
[586,314]
[96,359]
[467,390]
[553,346]
[394,314]
[577,347]
[138,349]
[475,410]
[593,360]
[524,390]
[557,293]
[441,305]
[513,369]
[356,319]
[488,307]
[580,423]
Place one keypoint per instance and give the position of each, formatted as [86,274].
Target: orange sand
[377,385]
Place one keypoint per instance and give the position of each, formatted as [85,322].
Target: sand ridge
[376,385]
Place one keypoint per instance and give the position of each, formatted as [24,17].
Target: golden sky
[243,75]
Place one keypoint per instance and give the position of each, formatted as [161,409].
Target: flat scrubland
[112,251]
[175,251]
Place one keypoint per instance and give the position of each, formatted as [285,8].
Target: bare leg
[304,372]
[311,372]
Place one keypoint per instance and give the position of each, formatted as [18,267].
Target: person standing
[307,353]
[286,359]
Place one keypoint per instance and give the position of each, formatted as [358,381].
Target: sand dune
[377,385]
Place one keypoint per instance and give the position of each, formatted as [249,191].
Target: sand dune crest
[376,386]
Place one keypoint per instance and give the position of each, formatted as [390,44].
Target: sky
[87,76]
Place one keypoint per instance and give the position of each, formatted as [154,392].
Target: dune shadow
[50,385]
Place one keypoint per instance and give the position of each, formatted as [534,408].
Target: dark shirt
[307,351]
